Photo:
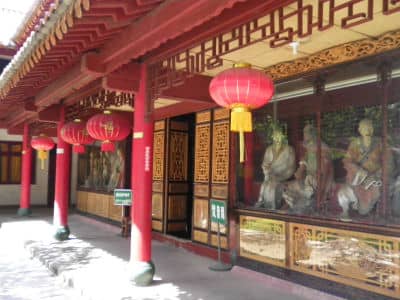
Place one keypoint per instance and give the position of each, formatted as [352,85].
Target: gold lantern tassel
[42,157]
[241,122]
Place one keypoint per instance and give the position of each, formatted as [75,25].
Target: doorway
[173,176]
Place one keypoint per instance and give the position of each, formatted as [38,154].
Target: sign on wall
[122,197]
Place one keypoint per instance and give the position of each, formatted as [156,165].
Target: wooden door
[177,186]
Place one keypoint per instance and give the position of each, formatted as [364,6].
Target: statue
[117,170]
[301,193]
[363,163]
[278,166]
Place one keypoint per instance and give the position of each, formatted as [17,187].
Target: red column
[142,170]
[62,181]
[26,174]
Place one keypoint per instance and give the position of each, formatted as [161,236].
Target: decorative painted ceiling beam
[181,109]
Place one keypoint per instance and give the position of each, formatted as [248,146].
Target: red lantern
[75,133]
[241,89]
[108,127]
[42,144]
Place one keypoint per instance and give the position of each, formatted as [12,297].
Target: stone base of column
[23,212]
[142,273]
[62,233]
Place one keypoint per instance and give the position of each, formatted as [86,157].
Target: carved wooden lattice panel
[220,153]
[178,152]
[158,155]
[363,260]
[202,148]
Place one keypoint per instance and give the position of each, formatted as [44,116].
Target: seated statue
[301,193]
[278,166]
[363,163]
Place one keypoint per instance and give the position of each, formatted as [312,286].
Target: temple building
[307,190]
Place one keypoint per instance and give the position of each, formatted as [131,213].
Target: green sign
[218,211]
[122,197]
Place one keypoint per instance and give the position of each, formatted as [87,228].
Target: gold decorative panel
[335,55]
[158,186]
[200,214]
[202,153]
[159,125]
[157,206]
[156,225]
[263,240]
[200,236]
[224,241]
[203,117]
[178,156]
[201,190]
[221,114]
[363,260]
[158,155]
[177,207]
[220,153]
[219,191]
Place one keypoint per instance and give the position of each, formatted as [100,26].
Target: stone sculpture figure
[278,166]
[301,193]
[363,163]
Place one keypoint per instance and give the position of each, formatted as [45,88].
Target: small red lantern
[75,133]
[108,127]
[241,89]
[42,144]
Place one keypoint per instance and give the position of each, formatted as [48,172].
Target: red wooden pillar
[62,183]
[26,174]
[142,170]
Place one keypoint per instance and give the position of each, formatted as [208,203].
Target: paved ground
[94,263]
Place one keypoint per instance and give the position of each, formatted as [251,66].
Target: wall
[10,193]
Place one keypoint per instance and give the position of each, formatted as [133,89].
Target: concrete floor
[94,262]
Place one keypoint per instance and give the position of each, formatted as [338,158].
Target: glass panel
[15,169]
[102,170]
[200,213]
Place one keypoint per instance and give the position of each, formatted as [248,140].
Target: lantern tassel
[107,146]
[42,156]
[241,122]
[78,149]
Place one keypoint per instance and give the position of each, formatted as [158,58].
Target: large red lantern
[108,127]
[241,89]
[75,133]
[42,144]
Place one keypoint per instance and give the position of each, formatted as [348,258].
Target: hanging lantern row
[108,128]
[75,133]
[241,89]
[42,144]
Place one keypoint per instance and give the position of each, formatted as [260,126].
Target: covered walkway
[94,263]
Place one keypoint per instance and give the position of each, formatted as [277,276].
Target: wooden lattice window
[10,163]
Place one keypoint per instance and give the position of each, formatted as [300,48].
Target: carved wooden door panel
[177,188]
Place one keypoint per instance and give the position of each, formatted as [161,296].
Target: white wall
[10,193]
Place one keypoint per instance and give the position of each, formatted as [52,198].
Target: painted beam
[181,109]
[50,114]
[126,79]
[162,24]
[195,89]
